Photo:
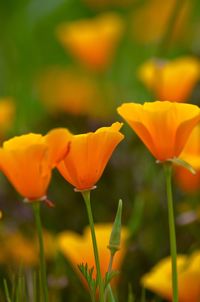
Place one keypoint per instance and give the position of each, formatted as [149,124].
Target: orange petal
[58,141]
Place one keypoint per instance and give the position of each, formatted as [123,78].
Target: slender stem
[86,196]
[168,173]
[166,38]
[109,288]
[36,209]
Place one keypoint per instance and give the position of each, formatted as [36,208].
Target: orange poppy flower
[164,127]
[171,80]
[159,279]
[92,41]
[27,160]
[191,154]
[71,243]
[69,91]
[88,156]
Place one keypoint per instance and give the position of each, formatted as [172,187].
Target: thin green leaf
[7,294]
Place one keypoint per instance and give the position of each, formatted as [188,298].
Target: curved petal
[27,169]
[58,141]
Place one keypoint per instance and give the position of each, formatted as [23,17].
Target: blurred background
[71,63]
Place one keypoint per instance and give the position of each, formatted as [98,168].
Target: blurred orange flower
[27,160]
[66,90]
[92,41]
[26,252]
[151,19]
[159,279]
[191,154]
[164,127]
[7,110]
[71,243]
[88,156]
[171,80]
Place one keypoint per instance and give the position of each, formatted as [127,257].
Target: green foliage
[88,275]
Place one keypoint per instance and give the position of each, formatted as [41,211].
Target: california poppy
[27,160]
[191,154]
[159,278]
[164,127]
[71,243]
[171,80]
[88,156]
[92,41]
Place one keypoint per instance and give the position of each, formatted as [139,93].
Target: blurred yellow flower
[88,156]
[27,160]
[78,249]
[150,20]
[171,80]
[66,90]
[7,110]
[191,154]
[18,249]
[159,281]
[92,41]
[191,151]
[164,127]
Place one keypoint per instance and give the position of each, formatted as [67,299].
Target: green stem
[108,288]
[86,197]
[166,39]
[168,173]
[36,209]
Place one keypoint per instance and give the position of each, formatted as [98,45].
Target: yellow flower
[191,151]
[159,279]
[171,80]
[7,110]
[27,160]
[92,41]
[164,127]
[88,156]
[78,249]
[191,154]
[65,90]
[18,249]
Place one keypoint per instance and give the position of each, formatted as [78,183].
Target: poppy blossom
[164,127]
[171,80]
[159,278]
[88,156]
[92,41]
[191,154]
[71,243]
[27,160]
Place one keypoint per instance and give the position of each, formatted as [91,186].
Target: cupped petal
[159,278]
[27,169]
[88,156]
[164,127]
[23,141]
[71,243]
[58,141]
